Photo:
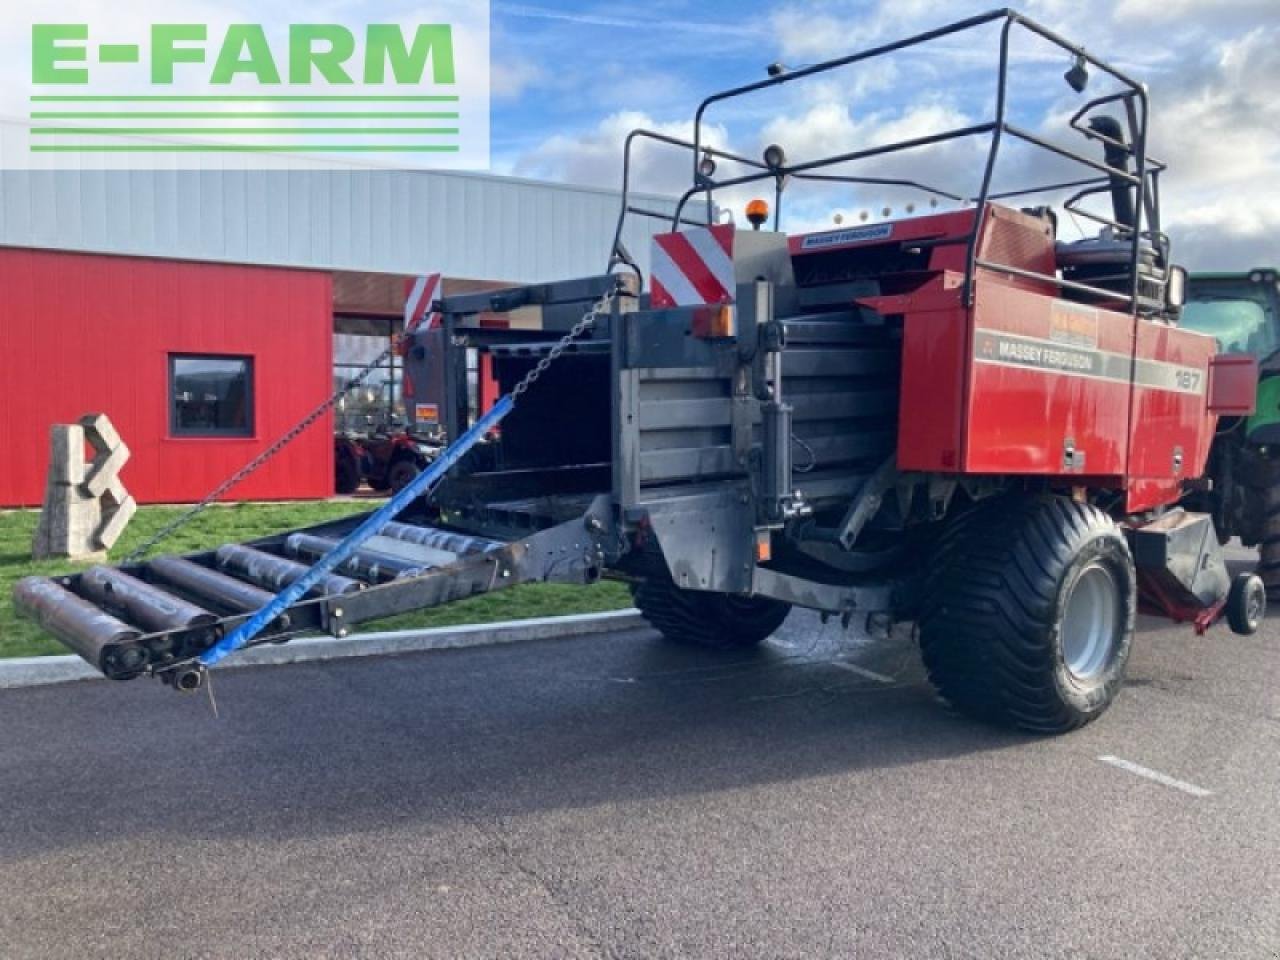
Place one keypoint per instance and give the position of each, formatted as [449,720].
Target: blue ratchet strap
[422,483]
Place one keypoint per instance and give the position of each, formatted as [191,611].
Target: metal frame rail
[1143,180]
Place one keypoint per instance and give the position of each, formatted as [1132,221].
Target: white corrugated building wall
[359,219]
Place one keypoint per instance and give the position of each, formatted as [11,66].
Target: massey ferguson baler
[955,419]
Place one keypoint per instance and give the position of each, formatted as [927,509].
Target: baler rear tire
[1028,617]
[713,621]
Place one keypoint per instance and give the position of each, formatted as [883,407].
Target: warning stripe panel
[715,246]
[419,301]
[689,259]
[693,268]
[658,294]
[677,289]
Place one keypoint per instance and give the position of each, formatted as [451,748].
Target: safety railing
[1142,180]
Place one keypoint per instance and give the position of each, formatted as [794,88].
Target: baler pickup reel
[164,616]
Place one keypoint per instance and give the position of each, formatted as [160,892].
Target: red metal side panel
[1046,374]
[938,370]
[955,223]
[1171,421]
[931,420]
[1011,238]
[82,333]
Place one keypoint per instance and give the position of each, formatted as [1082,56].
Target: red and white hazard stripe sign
[424,291]
[692,268]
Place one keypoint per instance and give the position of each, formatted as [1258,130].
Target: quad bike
[387,462]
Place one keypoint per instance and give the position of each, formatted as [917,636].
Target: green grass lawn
[219,525]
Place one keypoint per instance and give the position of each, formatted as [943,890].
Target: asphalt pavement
[617,797]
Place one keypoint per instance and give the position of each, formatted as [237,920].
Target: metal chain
[578,329]
[293,433]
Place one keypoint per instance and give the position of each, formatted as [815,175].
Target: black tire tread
[1237,614]
[987,621]
[346,475]
[1269,545]
[396,467]
[699,619]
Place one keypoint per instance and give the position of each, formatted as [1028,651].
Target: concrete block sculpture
[86,506]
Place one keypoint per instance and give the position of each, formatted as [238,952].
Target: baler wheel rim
[1091,622]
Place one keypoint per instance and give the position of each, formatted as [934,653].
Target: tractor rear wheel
[1269,542]
[1029,614]
[715,621]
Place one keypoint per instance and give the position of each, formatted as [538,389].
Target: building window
[376,406]
[212,396]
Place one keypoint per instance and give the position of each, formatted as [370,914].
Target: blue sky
[577,62]
[569,78]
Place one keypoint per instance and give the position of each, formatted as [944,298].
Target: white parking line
[1157,776]
[862,671]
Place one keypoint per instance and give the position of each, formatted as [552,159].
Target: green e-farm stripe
[221,115]
[240,98]
[244,148]
[263,131]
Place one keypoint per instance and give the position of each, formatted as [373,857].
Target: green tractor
[1242,311]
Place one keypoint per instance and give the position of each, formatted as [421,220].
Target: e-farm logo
[393,89]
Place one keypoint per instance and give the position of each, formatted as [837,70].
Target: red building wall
[81,334]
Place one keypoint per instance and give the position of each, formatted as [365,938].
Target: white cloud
[822,30]
[1217,124]
[509,77]
[595,157]
[1162,11]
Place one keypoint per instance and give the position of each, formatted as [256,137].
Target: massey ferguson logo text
[881,231]
[1034,353]
[1051,358]
[1045,356]
[134,84]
